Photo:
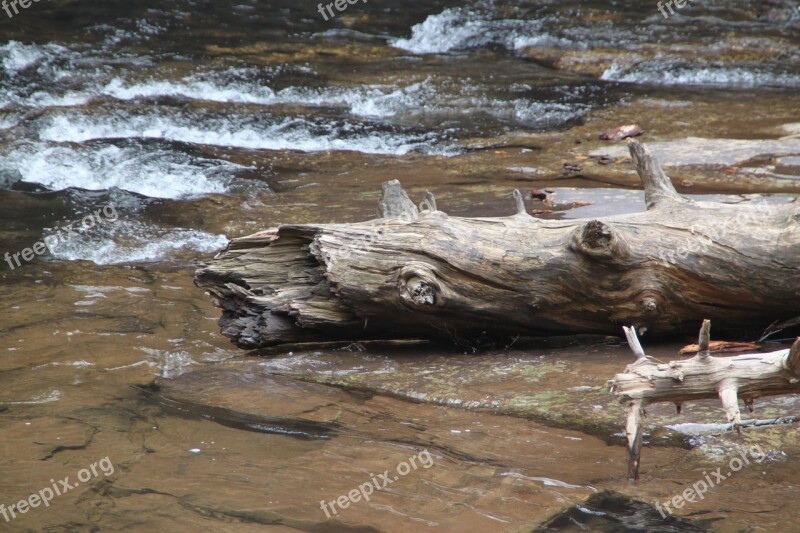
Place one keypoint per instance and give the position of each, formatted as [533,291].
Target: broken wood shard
[633,342]
[429,203]
[703,376]
[395,203]
[419,274]
[519,203]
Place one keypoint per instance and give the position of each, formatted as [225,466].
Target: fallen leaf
[721,347]
[621,132]
[537,194]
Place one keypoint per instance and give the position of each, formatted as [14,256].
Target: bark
[422,274]
[744,377]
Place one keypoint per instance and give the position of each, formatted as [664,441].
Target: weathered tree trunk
[701,377]
[412,274]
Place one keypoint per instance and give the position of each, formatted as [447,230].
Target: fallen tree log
[420,274]
[701,377]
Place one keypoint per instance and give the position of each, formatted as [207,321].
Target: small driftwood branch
[748,376]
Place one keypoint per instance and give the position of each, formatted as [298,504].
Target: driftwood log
[420,274]
[701,377]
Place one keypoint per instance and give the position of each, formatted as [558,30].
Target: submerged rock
[673,63]
[614,512]
[700,151]
[742,165]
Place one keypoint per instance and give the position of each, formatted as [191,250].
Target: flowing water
[137,138]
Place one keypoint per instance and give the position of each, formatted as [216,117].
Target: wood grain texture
[422,274]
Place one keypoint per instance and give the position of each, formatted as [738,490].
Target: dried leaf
[721,347]
[621,132]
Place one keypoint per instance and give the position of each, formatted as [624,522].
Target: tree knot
[598,240]
[418,287]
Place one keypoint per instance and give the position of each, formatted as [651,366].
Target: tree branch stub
[395,203]
[658,189]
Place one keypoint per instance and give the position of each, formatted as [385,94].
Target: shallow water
[193,122]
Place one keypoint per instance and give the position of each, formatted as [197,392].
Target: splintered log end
[793,359]
[658,187]
[395,203]
[633,431]
[520,204]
